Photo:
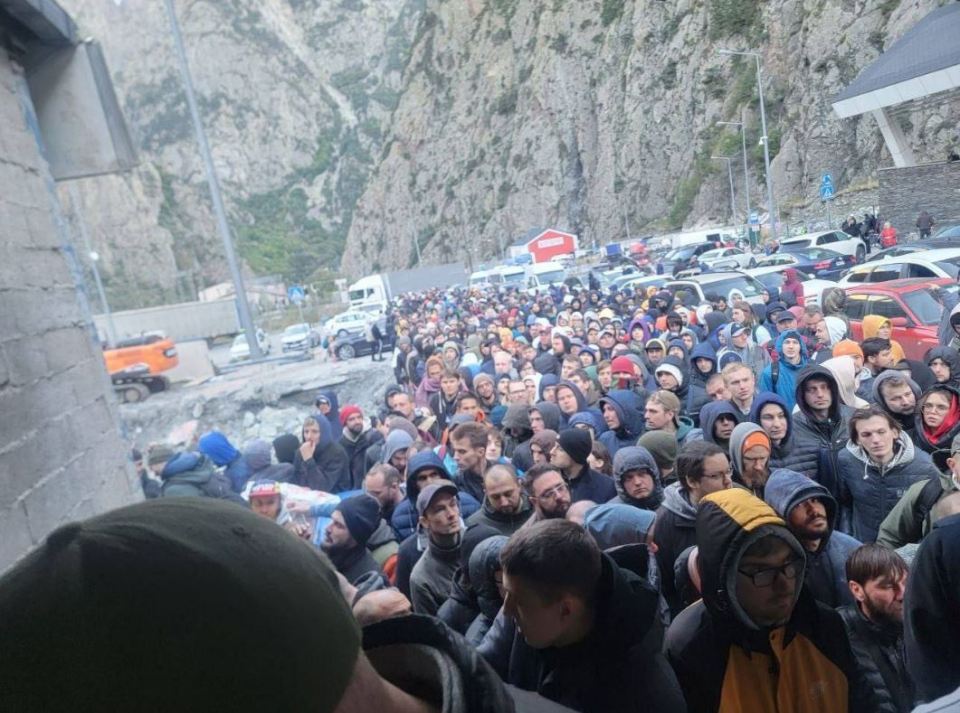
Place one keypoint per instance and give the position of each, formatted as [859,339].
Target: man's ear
[856,590]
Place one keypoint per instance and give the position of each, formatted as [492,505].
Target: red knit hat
[348,411]
[622,365]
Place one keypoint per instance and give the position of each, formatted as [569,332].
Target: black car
[820,262]
[354,345]
[679,258]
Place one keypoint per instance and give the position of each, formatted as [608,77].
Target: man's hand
[307,450]
[298,507]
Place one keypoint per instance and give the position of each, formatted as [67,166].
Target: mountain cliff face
[352,128]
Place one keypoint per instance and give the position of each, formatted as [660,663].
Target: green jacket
[899,527]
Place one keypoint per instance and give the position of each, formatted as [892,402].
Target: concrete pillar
[893,137]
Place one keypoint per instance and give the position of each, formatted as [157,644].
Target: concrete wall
[61,453]
[934,187]
[181,322]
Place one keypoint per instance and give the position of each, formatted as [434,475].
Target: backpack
[929,495]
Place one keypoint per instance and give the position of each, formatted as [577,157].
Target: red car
[910,305]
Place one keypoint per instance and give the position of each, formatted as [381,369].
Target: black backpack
[929,495]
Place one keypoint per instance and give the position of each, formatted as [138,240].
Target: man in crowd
[822,422]
[810,512]
[356,441]
[469,445]
[663,413]
[758,637]
[876,354]
[382,483]
[432,576]
[188,474]
[570,457]
[624,419]
[345,541]
[505,506]
[750,455]
[589,626]
[717,389]
[548,492]
[742,384]
[897,394]
[637,478]
[877,578]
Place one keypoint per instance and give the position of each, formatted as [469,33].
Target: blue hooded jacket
[786,385]
[404,519]
[545,381]
[215,446]
[825,575]
[582,407]
[627,406]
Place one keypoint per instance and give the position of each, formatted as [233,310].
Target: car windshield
[514,278]
[951,266]
[747,286]
[552,276]
[711,254]
[924,305]
[295,329]
[681,253]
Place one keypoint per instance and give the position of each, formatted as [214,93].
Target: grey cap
[427,495]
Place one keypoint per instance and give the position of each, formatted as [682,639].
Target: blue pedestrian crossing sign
[295,294]
[826,187]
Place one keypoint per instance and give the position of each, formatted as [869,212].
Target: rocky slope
[351,128]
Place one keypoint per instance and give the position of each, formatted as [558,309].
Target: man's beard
[878,615]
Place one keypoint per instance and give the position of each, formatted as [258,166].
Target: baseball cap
[785,316]
[264,489]
[738,330]
[427,495]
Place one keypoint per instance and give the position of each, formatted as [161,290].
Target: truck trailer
[373,292]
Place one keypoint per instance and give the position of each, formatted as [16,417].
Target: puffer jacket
[786,385]
[802,458]
[878,650]
[938,448]
[912,517]
[826,576]
[676,520]
[637,458]
[697,396]
[724,661]
[869,492]
[828,437]
[627,406]
[194,475]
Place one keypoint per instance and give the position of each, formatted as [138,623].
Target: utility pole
[243,309]
[733,198]
[771,206]
[416,245]
[746,176]
[94,259]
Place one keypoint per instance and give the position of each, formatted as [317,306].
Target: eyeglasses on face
[935,408]
[765,577]
[553,492]
[723,475]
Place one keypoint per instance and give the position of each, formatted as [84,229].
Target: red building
[544,244]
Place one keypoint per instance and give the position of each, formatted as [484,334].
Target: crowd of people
[578,500]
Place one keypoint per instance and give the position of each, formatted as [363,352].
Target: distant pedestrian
[925,223]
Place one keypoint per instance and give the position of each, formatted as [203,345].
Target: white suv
[835,240]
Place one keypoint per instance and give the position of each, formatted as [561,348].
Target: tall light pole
[746,177]
[771,206]
[733,198]
[94,259]
[243,309]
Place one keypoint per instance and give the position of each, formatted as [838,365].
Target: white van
[512,275]
[544,274]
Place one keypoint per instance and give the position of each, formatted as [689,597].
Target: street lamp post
[746,177]
[243,309]
[94,259]
[733,198]
[771,207]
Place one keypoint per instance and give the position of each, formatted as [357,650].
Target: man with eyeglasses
[702,468]
[758,639]
[547,491]
[750,450]
[810,512]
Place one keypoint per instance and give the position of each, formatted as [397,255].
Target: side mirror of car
[900,322]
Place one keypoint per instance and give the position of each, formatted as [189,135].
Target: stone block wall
[934,187]
[61,453]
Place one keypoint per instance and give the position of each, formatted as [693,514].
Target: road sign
[754,218]
[826,187]
[296,294]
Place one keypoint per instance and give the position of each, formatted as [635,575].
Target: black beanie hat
[361,513]
[577,443]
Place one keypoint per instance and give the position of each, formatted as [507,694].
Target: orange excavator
[136,366]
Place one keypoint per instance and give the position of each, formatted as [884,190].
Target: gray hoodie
[737,438]
[637,458]
[906,421]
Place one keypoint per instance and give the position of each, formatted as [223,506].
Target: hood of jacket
[550,413]
[333,418]
[215,446]
[326,432]
[951,357]
[703,350]
[844,372]
[591,418]
[677,501]
[257,455]
[616,524]
[768,397]
[804,357]
[737,438]
[820,372]
[903,453]
[547,365]
[188,467]
[871,325]
[420,461]
[715,320]
[482,569]
[785,489]
[396,440]
[885,375]
[637,458]
[728,523]
[517,417]
[582,404]
[627,405]
[383,535]
[711,412]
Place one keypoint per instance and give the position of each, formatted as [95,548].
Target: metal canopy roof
[924,61]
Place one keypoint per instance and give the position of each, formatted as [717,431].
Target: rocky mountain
[351,128]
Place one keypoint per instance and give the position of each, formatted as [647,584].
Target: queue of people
[571,501]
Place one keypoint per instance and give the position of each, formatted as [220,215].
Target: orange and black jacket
[724,662]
